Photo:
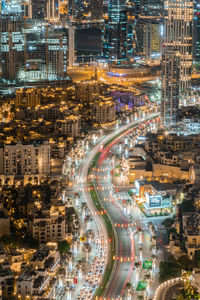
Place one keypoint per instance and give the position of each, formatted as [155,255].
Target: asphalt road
[125,245]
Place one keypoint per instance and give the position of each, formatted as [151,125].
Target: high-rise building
[178,35]
[39,9]
[170,87]
[137,4]
[149,38]
[149,29]
[53,12]
[118,33]
[96,8]
[196,31]
[151,8]
[12,40]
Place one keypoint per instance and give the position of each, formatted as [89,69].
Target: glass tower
[178,35]
[170,87]
[118,32]
[196,31]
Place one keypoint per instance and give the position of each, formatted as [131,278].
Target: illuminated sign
[155,201]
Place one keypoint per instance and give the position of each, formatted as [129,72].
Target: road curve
[125,248]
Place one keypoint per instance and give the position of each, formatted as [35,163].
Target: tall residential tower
[178,35]
[170,87]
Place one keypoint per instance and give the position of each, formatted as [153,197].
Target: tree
[168,222]
[147,276]
[153,256]
[169,269]
[137,264]
[129,286]
[197,258]
[187,206]
[5,240]
[30,241]
[10,242]
[63,247]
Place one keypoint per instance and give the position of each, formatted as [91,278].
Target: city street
[126,224]
[125,243]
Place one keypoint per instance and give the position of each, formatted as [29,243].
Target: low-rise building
[127,98]
[191,232]
[156,196]
[103,111]
[69,126]
[138,168]
[38,281]
[6,279]
[84,90]
[20,160]
[48,225]
[28,97]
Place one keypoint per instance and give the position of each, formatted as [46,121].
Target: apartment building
[103,110]
[21,159]
[48,225]
[69,126]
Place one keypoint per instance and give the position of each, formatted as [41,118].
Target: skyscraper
[149,38]
[196,31]
[151,8]
[39,9]
[149,29]
[96,8]
[170,87]
[178,35]
[118,32]
[11,39]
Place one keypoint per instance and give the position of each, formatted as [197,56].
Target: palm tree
[147,276]
[137,264]
[129,289]
[153,256]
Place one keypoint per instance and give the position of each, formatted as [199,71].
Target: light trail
[83,177]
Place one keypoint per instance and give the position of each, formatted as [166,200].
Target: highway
[122,271]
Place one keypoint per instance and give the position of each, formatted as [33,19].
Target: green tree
[168,222]
[5,241]
[197,258]
[187,206]
[169,269]
[63,247]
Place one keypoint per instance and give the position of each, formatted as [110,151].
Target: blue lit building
[151,8]
[118,33]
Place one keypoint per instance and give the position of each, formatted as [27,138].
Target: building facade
[29,98]
[196,31]
[103,111]
[69,126]
[178,35]
[21,159]
[12,40]
[118,33]
[170,87]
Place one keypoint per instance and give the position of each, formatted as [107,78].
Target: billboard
[155,201]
